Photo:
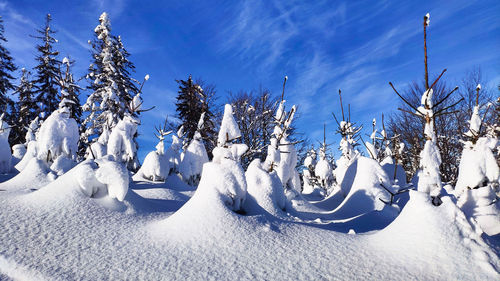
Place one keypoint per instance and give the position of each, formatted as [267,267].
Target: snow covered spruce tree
[112,88]
[323,169]
[225,165]
[192,101]
[194,156]
[70,91]
[47,72]
[156,166]
[350,133]
[478,178]
[6,68]
[429,178]
[26,105]
[309,178]
[281,153]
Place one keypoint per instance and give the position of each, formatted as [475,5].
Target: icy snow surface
[57,232]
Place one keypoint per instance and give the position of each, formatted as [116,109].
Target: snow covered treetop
[229,129]
[65,60]
[427,19]
[478,87]
[146,77]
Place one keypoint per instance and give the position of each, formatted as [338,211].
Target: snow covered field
[56,232]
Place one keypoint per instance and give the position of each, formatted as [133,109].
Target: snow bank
[424,234]
[35,175]
[482,205]
[362,190]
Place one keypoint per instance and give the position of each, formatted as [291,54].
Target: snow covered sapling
[226,159]
[429,179]
[308,174]
[173,152]
[478,178]
[58,136]
[349,132]
[194,157]
[323,169]
[121,143]
[156,166]
[281,153]
[5,153]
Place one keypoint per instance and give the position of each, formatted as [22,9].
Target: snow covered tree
[281,153]
[226,162]
[70,91]
[192,101]
[156,166]
[6,68]
[111,85]
[194,157]
[25,106]
[254,113]
[478,178]
[349,132]
[429,178]
[47,71]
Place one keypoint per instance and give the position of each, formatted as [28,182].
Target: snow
[146,77]
[18,152]
[121,139]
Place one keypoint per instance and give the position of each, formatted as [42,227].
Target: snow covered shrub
[478,178]
[121,143]
[5,153]
[58,136]
[156,166]
[308,174]
[103,174]
[18,152]
[281,154]
[324,171]
[194,157]
[264,190]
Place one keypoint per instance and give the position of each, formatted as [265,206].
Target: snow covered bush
[194,157]
[5,153]
[156,166]
[121,143]
[478,178]
[265,190]
[308,174]
[103,174]
[324,171]
[58,136]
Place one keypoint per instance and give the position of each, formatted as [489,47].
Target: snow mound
[429,233]
[35,175]
[400,173]
[362,188]
[265,191]
[18,152]
[31,153]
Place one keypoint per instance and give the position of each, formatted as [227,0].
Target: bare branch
[437,79]
[442,100]
[407,102]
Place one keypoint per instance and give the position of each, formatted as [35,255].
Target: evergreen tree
[112,88]
[47,70]
[192,101]
[25,106]
[6,68]
[70,91]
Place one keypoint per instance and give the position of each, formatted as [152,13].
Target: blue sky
[358,46]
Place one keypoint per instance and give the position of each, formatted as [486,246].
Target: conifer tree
[25,106]
[192,101]
[6,68]
[70,91]
[47,70]
[111,85]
